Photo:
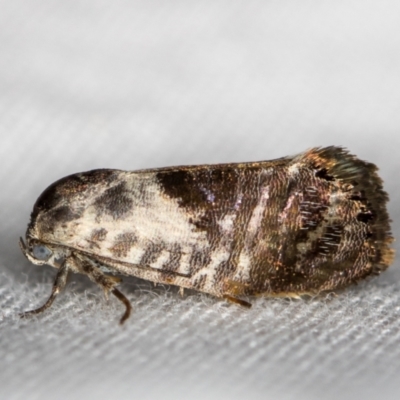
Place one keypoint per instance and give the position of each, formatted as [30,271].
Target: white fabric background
[137,84]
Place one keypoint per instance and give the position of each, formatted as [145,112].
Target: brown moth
[296,225]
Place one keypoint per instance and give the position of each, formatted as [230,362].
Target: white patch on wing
[184,262]
[161,260]
[293,169]
[135,254]
[258,213]
[154,218]
[238,202]
[282,217]
[243,268]
[226,223]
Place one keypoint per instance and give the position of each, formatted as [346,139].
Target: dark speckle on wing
[63,214]
[123,244]
[115,201]
[97,236]
[174,260]
[152,252]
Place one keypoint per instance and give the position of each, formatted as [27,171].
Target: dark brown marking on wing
[365,216]
[183,185]
[322,173]
[115,201]
[198,260]
[173,262]
[123,243]
[97,236]
[209,191]
[151,253]
[206,194]
[143,196]
[62,214]
[56,217]
[199,282]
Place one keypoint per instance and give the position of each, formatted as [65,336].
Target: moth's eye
[41,252]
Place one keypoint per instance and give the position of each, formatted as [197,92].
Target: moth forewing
[305,224]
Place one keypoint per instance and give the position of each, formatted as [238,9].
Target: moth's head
[56,212]
[40,253]
[39,247]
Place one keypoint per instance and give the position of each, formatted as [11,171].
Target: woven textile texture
[139,84]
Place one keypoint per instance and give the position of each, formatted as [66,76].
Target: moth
[293,226]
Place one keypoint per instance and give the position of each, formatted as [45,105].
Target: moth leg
[107,283]
[232,289]
[235,300]
[58,286]
[127,303]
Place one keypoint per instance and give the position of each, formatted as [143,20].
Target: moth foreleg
[107,283]
[58,286]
